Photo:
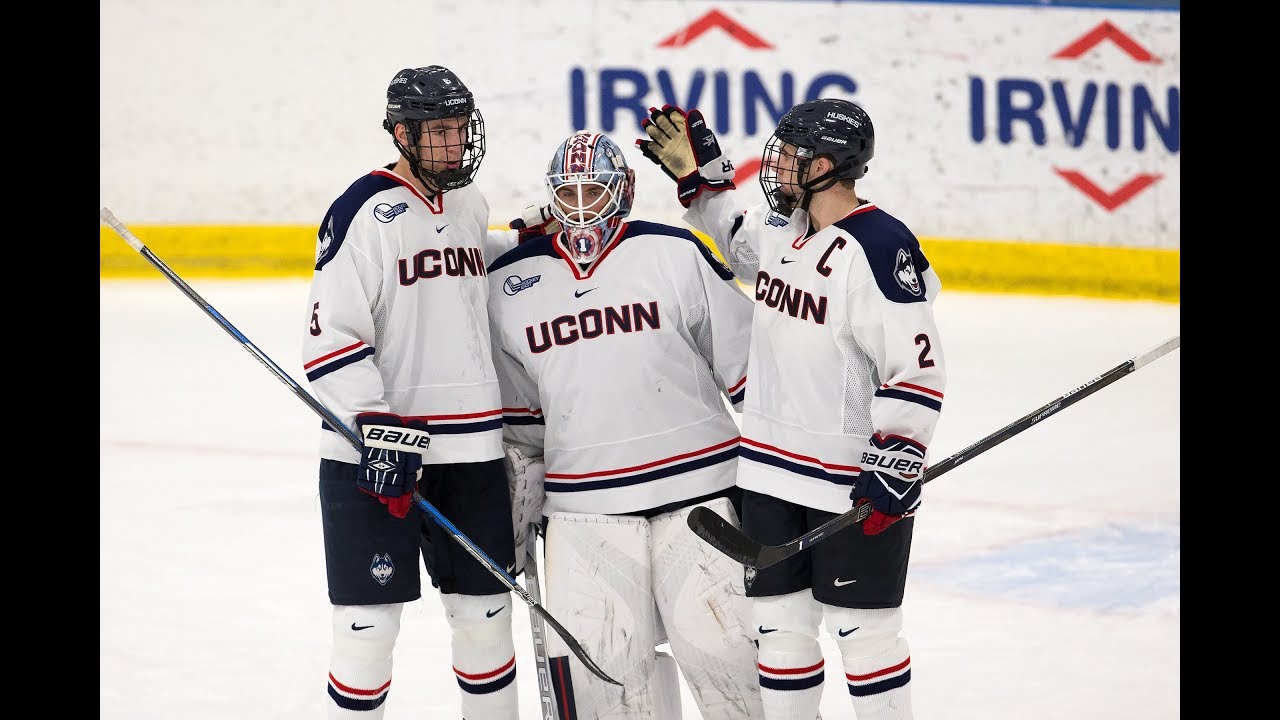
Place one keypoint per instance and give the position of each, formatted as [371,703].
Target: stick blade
[720,534]
[574,646]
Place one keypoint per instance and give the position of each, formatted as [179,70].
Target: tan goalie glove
[687,151]
[525,481]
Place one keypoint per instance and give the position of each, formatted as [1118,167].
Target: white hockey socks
[484,655]
[877,661]
[360,660]
[790,658]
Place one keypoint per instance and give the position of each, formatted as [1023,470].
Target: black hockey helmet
[432,93]
[836,128]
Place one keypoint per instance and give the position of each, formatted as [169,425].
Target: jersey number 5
[315,320]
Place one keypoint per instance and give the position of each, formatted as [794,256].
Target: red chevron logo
[1108,200]
[1105,31]
[715,19]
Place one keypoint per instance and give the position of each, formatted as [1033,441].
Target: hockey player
[617,346]
[397,345]
[846,386]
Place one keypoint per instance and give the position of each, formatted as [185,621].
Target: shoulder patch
[337,221]
[893,254]
[904,271]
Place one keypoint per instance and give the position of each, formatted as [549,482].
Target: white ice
[1045,577]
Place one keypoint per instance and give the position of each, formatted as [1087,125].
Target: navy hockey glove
[535,221]
[687,151]
[888,488]
[392,461]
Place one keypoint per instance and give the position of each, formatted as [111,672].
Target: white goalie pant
[623,585]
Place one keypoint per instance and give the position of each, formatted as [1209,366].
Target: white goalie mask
[591,189]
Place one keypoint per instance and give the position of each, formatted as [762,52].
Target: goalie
[619,347]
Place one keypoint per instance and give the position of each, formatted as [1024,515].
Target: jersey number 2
[923,339]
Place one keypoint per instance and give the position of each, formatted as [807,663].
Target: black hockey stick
[549,709]
[351,437]
[731,541]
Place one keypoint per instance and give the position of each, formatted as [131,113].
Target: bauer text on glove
[392,458]
[890,481]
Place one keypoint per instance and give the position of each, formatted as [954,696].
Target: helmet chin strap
[815,186]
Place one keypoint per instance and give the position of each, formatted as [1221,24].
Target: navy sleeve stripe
[338,364]
[930,403]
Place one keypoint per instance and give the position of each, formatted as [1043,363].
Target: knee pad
[367,631]
[865,632]
[478,616]
[796,612]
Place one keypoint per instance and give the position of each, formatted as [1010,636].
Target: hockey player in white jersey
[397,342]
[846,387]
[617,346]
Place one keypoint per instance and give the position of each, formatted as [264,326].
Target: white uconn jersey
[618,376]
[843,344]
[397,317]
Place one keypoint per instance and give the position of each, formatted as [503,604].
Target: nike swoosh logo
[491,613]
[785,261]
[358,628]
[765,631]
[842,583]
[440,228]
[511,568]
[845,633]
[580,293]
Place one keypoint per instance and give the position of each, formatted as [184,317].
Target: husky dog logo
[749,577]
[323,246]
[905,272]
[382,568]
[386,213]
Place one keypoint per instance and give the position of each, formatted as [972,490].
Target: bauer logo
[514,283]
[386,213]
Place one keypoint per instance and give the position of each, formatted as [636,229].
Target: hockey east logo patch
[382,568]
[904,271]
[385,212]
[514,283]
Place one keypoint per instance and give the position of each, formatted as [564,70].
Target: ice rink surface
[1045,576]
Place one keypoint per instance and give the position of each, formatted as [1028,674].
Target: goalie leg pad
[599,587]
[665,688]
[876,659]
[364,637]
[707,616]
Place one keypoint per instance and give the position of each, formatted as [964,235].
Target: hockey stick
[731,541]
[549,709]
[351,437]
